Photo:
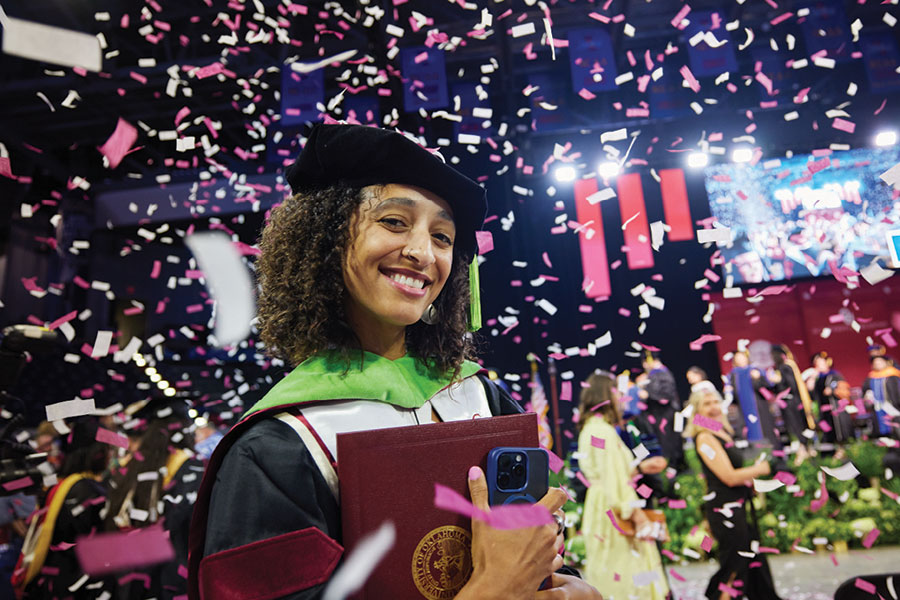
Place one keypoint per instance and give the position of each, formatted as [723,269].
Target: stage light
[886,138]
[608,169]
[742,155]
[162,384]
[192,413]
[169,391]
[697,160]
[156,377]
[201,422]
[564,174]
[150,371]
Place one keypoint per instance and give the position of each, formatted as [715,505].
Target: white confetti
[720,235]
[766,485]
[359,565]
[69,409]
[844,472]
[229,283]
[51,44]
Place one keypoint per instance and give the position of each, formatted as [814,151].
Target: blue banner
[707,61]
[882,57]
[361,109]
[300,93]
[826,28]
[592,60]
[773,67]
[468,102]
[548,103]
[425,78]
[667,97]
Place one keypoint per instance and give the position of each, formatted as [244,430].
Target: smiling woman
[364,288]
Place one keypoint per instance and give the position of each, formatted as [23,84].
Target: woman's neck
[377,337]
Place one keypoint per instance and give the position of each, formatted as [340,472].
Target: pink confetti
[118,144]
[511,516]
[706,422]
[786,478]
[676,575]
[556,463]
[644,490]
[843,125]
[22,482]
[706,544]
[598,442]
[111,437]
[582,479]
[106,553]
[689,78]
[612,519]
[679,17]
[677,504]
[565,393]
[870,538]
[864,585]
[703,339]
[485,241]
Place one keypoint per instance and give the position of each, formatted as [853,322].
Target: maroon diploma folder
[389,475]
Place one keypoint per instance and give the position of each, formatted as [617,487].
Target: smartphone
[517,475]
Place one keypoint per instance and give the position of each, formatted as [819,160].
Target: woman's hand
[568,587]
[511,563]
[653,465]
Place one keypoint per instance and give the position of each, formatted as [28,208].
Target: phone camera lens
[503,480]
[518,470]
[504,461]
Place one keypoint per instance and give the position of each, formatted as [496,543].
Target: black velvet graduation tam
[361,156]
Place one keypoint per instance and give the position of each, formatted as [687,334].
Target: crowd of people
[117,473]
[367,277]
[631,432]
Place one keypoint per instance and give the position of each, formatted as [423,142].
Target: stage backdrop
[811,316]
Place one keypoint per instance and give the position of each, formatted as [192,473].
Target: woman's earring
[430,316]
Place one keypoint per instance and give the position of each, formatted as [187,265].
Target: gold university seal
[442,562]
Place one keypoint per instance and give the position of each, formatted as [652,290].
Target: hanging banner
[634,221]
[881,57]
[710,60]
[667,98]
[592,61]
[548,103]
[676,207]
[300,95]
[774,68]
[826,28]
[592,240]
[424,78]
[473,109]
[365,110]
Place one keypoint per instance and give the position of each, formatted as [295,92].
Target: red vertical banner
[634,221]
[593,243]
[675,205]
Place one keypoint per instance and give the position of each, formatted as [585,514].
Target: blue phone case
[537,480]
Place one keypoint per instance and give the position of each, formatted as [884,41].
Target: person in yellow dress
[623,567]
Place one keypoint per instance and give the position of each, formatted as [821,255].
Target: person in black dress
[740,570]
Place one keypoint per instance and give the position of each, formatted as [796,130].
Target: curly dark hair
[301,301]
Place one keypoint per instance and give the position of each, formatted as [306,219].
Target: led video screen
[791,217]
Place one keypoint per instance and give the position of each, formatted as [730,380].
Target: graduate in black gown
[156,482]
[72,508]
[742,573]
[365,289]
[830,392]
[659,392]
[788,384]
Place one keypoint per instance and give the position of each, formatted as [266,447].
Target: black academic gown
[661,404]
[794,415]
[168,580]
[268,485]
[79,516]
